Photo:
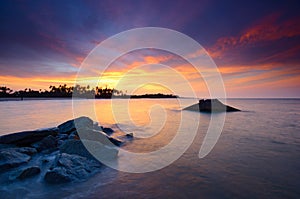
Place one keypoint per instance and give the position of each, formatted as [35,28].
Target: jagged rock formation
[58,154]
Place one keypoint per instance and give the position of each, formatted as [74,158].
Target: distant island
[211,106]
[64,91]
[158,95]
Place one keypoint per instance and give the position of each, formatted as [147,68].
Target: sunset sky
[255,44]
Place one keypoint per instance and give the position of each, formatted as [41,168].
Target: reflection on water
[29,115]
[257,155]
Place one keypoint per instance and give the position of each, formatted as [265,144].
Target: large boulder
[26,150]
[47,143]
[26,138]
[28,172]
[69,168]
[101,137]
[211,106]
[78,148]
[10,158]
[75,147]
[78,123]
[77,163]
[57,175]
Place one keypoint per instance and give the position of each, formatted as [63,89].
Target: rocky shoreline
[57,155]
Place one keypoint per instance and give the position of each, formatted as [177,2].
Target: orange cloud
[269,29]
[130,65]
[155,59]
[233,69]
[269,88]
[257,79]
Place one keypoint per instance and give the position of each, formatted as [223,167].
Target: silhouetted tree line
[62,91]
[158,95]
[65,91]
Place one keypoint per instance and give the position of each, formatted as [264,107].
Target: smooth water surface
[256,156]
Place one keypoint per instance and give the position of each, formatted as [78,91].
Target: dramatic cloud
[268,30]
[256,44]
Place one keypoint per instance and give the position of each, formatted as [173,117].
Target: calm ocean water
[256,156]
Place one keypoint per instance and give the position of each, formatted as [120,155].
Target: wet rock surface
[71,125]
[58,155]
[69,168]
[29,172]
[26,138]
[46,143]
[11,157]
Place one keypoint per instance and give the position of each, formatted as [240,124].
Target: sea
[255,155]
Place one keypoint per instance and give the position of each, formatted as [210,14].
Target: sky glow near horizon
[256,45]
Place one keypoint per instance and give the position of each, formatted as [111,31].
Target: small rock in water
[129,135]
[71,168]
[108,131]
[57,175]
[116,141]
[10,158]
[46,143]
[29,172]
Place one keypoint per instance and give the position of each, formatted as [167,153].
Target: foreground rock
[78,123]
[26,138]
[11,157]
[28,172]
[211,106]
[46,143]
[59,154]
[77,147]
[69,168]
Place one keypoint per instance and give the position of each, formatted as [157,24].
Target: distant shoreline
[6,99]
